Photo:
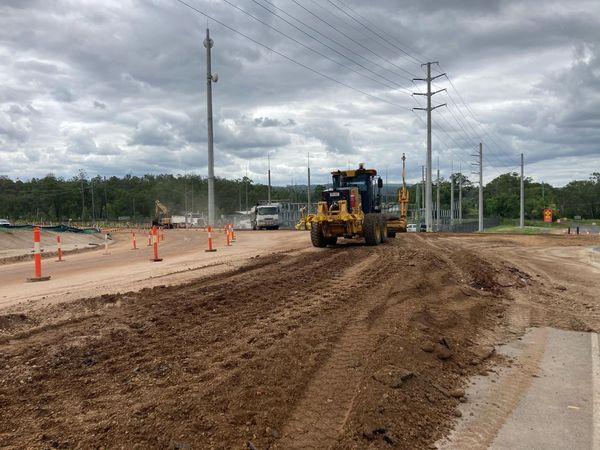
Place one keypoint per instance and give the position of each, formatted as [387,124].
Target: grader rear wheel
[372,229]
[384,230]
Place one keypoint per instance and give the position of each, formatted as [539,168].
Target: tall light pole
[210,78]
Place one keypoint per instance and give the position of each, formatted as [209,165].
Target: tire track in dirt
[320,415]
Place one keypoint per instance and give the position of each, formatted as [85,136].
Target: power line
[425,58]
[320,42]
[375,33]
[499,148]
[292,60]
[468,108]
[324,36]
[350,37]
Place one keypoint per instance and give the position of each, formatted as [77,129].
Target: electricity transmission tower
[429,94]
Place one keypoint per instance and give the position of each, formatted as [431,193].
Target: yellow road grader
[351,208]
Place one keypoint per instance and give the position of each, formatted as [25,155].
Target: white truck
[266,217]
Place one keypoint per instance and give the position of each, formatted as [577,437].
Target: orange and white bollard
[59,249]
[232,234]
[155,243]
[162,234]
[38,257]
[133,241]
[228,235]
[149,238]
[106,243]
[210,243]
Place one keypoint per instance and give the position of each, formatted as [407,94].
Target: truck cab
[266,217]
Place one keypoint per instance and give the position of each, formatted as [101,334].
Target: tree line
[83,199]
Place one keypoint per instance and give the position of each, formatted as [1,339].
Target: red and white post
[37,257]
[59,249]
[155,243]
[228,234]
[210,243]
[133,241]
[149,237]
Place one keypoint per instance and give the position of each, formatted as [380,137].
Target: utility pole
[543,200]
[93,205]
[429,94]
[437,209]
[82,199]
[460,182]
[452,195]
[480,208]
[480,187]
[269,172]
[105,201]
[417,202]
[308,187]
[210,78]
[386,185]
[522,208]
[246,186]
[422,187]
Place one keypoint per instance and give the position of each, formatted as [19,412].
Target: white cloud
[119,86]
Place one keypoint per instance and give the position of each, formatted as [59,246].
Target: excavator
[397,224]
[162,217]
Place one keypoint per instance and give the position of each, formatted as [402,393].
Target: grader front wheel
[316,235]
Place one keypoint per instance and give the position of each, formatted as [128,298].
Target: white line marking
[595,391]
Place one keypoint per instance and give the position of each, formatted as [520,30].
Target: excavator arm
[403,193]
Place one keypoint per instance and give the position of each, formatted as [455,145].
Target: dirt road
[123,269]
[346,347]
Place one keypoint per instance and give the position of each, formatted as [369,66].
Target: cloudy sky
[119,86]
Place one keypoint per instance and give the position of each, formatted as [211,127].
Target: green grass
[527,229]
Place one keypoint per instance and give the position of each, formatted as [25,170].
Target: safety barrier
[37,257]
[210,242]
[155,236]
[155,243]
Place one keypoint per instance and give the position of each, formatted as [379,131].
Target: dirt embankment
[17,245]
[351,347]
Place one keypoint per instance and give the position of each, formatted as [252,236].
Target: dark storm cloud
[119,86]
